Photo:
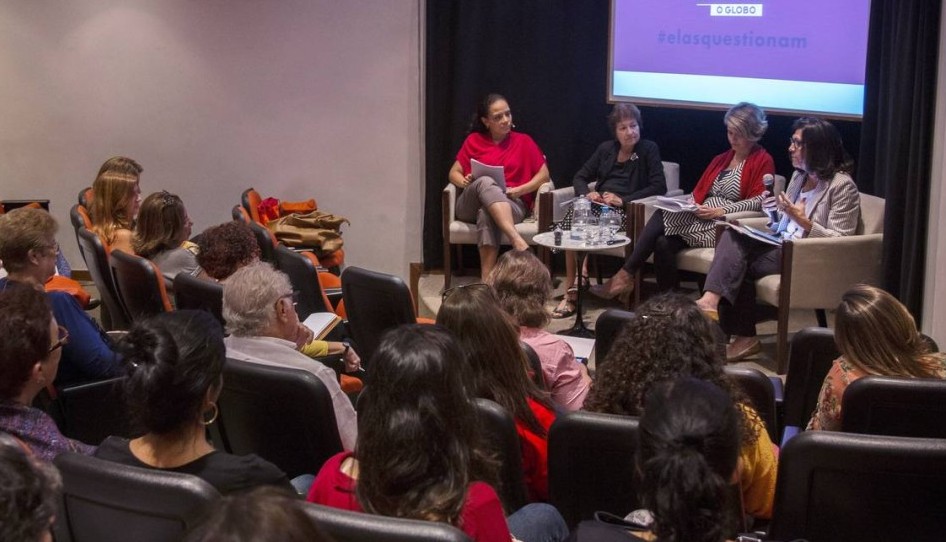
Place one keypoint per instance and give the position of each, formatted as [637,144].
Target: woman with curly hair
[498,371]
[669,339]
[876,335]
[224,248]
[115,201]
[523,286]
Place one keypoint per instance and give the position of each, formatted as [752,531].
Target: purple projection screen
[802,56]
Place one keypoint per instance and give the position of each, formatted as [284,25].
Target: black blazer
[645,176]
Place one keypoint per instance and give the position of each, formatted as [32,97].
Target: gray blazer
[836,210]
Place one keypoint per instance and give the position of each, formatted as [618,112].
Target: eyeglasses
[63,340]
[476,285]
[795,142]
[292,295]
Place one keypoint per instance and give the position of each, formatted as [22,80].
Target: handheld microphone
[768,180]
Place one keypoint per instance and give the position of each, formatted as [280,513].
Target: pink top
[518,154]
[481,519]
[567,379]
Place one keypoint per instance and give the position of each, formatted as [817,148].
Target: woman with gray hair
[264,328]
[731,183]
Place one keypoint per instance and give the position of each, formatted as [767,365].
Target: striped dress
[724,194]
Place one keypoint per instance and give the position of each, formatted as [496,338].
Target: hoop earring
[212,418]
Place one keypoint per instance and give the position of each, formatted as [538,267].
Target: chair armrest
[824,268]
[449,201]
[558,197]
[540,211]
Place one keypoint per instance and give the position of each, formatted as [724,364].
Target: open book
[675,204]
[322,323]
[764,236]
[496,173]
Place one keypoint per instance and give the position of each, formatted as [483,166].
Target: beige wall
[934,311]
[299,98]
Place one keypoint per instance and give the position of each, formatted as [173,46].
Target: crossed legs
[485,204]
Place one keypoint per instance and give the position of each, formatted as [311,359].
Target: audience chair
[85,197]
[103,501]
[348,526]
[97,260]
[591,465]
[375,302]
[140,285]
[284,415]
[239,214]
[837,262]
[839,486]
[457,232]
[266,240]
[302,269]
[607,327]
[191,292]
[79,217]
[535,365]
[811,353]
[92,411]
[761,393]
[900,407]
[500,431]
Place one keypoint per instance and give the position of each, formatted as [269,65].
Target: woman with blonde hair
[115,201]
[876,335]
[523,285]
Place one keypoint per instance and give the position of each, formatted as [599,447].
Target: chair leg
[822,317]
[781,341]
[447,265]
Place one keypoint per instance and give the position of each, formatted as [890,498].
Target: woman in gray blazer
[821,201]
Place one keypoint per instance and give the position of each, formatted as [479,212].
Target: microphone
[768,180]
[513,126]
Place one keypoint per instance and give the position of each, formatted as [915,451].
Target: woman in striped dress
[731,183]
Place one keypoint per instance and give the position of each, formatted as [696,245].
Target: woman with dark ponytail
[175,364]
[690,438]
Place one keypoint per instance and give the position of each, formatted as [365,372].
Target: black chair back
[591,465]
[92,411]
[283,415]
[103,501]
[810,354]
[608,325]
[305,281]
[841,486]
[374,302]
[239,214]
[140,285]
[79,217]
[347,526]
[760,391]
[97,260]
[535,365]
[191,292]
[500,431]
[902,407]
[267,244]
[85,197]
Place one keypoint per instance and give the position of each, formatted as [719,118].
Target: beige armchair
[817,271]
[457,232]
[693,260]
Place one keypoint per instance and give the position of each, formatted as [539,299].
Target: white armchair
[457,232]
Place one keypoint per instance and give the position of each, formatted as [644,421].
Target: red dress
[518,154]
[535,453]
[481,519]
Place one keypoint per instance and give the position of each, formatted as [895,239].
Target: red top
[518,154]
[481,519]
[535,453]
[758,163]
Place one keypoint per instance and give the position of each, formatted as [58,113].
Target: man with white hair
[264,328]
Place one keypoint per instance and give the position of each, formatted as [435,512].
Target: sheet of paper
[495,173]
[582,347]
[675,205]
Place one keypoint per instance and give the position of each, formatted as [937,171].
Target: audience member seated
[264,328]
[876,335]
[175,365]
[420,452]
[731,183]
[28,249]
[821,201]
[265,513]
[116,196]
[484,202]
[30,347]
[224,248]
[672,338]
[690,432]
[162,228]
[498,370]
[29,490]
[625,169]
[523,286]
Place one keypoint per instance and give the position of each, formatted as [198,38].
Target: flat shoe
[603,291]
[711,314]
[750,349]
[564,309]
